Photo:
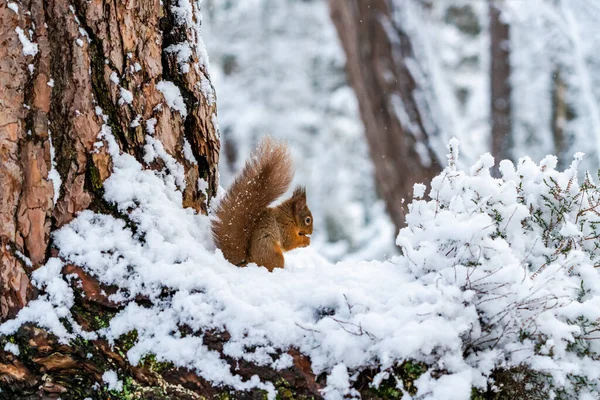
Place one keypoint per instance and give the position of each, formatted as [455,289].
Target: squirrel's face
[304,222]
[302,214]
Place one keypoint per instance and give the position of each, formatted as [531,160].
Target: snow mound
[494,273]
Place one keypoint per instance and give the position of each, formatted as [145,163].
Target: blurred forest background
[368,94]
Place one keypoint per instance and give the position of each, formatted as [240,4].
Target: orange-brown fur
[247,229]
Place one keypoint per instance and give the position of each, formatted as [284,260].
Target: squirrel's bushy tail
[266,176]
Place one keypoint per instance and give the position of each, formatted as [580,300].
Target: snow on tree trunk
[66,70]
[500,93]
[382,69]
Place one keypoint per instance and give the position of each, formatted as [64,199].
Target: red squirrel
[246,229]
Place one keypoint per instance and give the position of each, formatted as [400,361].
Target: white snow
[126,96]
[24,258]
[114,78]
[202,185]
[29,48]
[469,278]
[419,190]
[338,384]
[188,15]
[207,90]
[53,174]
[172,96]
[84,33]
[453,152]
[154,148]
[215,122]
[136,121]
[14,7]
[188,153]
[12,348]
[151,125]
[183,12]
[184,53]
[111,379]
[49,307]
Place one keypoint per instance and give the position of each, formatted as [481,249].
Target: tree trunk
[66,69]
[500,88]
[559,117]
[381,69]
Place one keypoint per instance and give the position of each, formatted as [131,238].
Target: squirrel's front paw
[304,241]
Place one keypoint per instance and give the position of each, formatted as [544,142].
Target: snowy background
[278,69]
[489,274]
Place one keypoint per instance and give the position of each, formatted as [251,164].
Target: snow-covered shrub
[523,251]
[496,285]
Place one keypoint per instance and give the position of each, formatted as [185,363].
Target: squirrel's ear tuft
[299,198]
[299,192]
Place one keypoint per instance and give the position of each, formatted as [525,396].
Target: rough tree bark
[51,94]
[381,69]
[500,88]
[50,98]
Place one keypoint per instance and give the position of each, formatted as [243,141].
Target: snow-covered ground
[493,272]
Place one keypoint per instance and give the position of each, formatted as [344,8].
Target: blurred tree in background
[392,90]
[511,78]
[278,70]
[500,86]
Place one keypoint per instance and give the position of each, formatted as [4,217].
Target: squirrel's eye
[307,220]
